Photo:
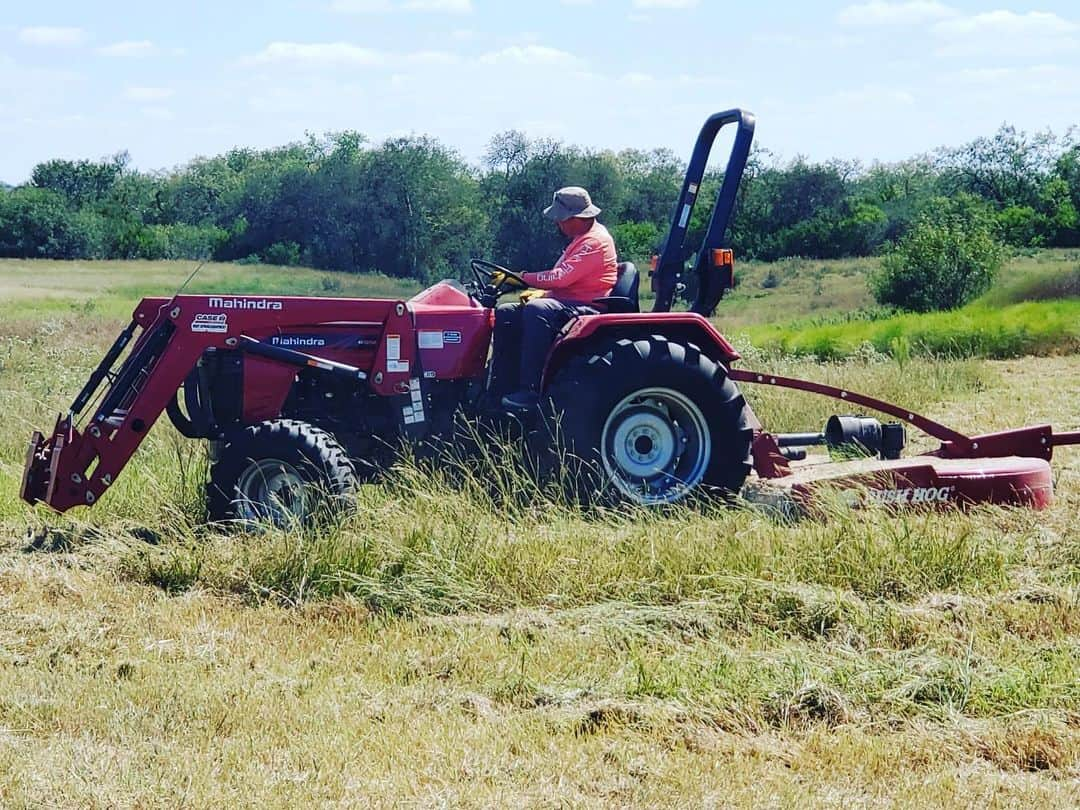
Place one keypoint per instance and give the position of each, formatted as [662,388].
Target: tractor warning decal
[206,322]
[394,363]
[430,340]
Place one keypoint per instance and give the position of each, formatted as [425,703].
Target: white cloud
[386,6]
[1007,23]
[532,55]
[361,6]
[665,3]
[637,78]
[447,6]
[158,113]
[879,12]
[46,35]
[1033,33]
[1042,80]
[129,47]
[869,97]
[431,58]
[317,54]
[344,54]
[147,93]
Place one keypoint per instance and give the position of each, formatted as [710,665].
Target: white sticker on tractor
[397,366]
[393,347]
[431,340]
[210,323]
[685,216]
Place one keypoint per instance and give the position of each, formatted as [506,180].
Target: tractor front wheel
[650,421]
[282,472]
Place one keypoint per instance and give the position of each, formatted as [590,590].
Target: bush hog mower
[295,395]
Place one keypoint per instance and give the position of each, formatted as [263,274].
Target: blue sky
[867,79]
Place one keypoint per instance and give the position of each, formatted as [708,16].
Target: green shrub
[283,253]
[947,259]
[1020,225]
[38,223]
[177,241]
[637,241]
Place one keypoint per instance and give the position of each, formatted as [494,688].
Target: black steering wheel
[483,271]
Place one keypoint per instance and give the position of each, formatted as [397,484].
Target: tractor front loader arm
[77,463]
[81,458]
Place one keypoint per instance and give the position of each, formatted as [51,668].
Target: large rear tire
[283,472]
[650,421]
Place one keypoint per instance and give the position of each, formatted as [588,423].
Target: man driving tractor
[525,331]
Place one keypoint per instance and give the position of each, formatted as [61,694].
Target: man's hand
[506,282]
[529,295]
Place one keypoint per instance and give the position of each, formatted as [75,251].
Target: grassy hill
[447,647]
[824,310]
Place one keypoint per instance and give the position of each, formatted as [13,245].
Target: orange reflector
[723,256]
[655,260]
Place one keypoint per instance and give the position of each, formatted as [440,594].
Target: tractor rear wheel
[282,472]
[652,420]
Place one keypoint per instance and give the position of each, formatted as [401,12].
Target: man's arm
[585,259]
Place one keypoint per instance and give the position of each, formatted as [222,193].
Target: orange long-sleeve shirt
[586,269]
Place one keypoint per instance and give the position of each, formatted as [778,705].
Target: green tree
[81,182]
[39,223]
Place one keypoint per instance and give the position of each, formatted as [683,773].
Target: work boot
[524,400]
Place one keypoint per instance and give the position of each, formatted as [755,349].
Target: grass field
[440,649]
[824,310]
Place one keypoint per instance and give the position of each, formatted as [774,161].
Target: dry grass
[440,649]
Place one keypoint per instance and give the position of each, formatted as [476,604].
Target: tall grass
[978,330]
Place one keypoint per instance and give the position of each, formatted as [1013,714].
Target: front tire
[282,472]
[651,421]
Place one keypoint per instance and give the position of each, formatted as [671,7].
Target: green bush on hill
[950,257]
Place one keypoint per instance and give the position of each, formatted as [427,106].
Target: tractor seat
[624,295]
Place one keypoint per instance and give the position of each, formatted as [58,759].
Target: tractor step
[908,482]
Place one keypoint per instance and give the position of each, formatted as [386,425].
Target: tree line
[413,207]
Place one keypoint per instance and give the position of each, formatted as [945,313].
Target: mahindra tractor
[299,397]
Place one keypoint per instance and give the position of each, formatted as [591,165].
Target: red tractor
[295,395]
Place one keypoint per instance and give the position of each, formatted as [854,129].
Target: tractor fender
[682,327]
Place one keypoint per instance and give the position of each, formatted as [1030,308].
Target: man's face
[565,227]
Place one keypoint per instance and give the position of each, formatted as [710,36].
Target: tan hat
[572,201]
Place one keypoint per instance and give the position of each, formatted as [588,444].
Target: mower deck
[906,482]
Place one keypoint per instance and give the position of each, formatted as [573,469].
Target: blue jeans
[523,335]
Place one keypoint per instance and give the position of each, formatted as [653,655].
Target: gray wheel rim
[272,491]
[655,445]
